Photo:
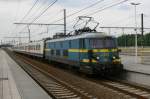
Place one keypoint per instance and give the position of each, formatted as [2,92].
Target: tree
[129,40]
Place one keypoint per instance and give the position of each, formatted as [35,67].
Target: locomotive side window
[69,44]
[103,43]
[52,52]
[54,45]
[61,44]
[58,52]
[47,45]
[82,43]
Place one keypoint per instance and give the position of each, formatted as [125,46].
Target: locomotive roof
[83,35]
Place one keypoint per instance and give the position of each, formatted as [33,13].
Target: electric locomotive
[90,51]
[86,49]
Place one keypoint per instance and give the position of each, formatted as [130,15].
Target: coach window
[38,47]
[69,43]
[52,52]
[30,47]
[47,45]
[54,45]
[58,52]
[34,47]
[82,43]
[61,44]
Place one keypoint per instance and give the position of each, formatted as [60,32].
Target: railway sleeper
[64,94]
[122,86]
[129,89]
[77,98]
[47,80]
[59,89]
[146,95]
[134,91]
[55,86]
[50,83]
[64,97]
[142,93]
[60,92]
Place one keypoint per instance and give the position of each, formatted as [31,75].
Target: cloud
[13,0]
[75,3]
[123,7]
[12,11]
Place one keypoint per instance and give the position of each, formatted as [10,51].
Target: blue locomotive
[89,51]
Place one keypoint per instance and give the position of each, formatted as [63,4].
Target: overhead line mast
[28,24]
[50,5]
[43,24]
[64,21]
[76,12]
[107,7]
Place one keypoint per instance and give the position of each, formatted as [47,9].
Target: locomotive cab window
[82,43]
[106,42]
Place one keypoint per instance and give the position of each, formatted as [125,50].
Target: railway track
[131,91]
[60,89]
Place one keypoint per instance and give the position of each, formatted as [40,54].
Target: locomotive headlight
[114,57]
[97,58]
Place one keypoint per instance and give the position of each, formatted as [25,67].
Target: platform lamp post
[136,45]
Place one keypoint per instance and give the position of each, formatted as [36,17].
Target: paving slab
[131,64]
[15,83]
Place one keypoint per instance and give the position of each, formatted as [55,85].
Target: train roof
[31,43]
[83,35]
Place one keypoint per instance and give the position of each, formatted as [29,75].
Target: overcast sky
[14,10]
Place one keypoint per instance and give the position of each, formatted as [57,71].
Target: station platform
[16,83]
[131,64]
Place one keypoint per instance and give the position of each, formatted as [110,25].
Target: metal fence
[143,53]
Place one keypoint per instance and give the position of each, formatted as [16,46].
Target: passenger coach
[35,48]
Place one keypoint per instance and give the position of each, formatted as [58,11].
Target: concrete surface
[15,83]
[135,65]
